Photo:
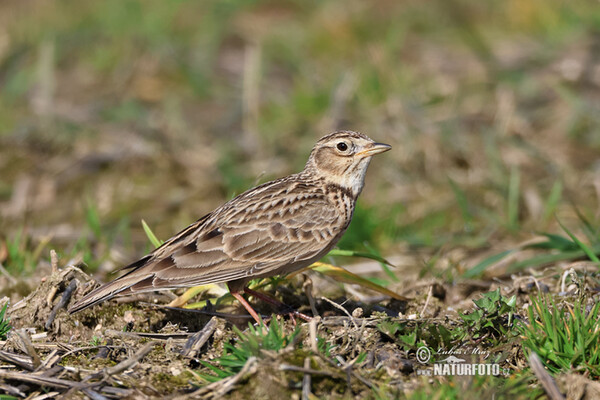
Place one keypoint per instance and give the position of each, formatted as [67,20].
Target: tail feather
[114,288]
[106,292]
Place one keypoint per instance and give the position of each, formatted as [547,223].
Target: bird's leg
[276,302]
[248,307]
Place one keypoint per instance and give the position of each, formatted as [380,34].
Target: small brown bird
[276,228]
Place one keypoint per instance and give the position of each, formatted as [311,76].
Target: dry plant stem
[220,388]
[429,294]
[306,380]
[62,303]
[148,335]
[8,276]
[307,286]
[40,380]
[544,377]
[54,261]
[339,307]
[313,333]
[125,364]
[22,361]
[194,344]
[26,341]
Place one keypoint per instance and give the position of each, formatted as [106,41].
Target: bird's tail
[122,284]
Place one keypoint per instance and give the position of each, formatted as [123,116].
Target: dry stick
[68,353]
[17,359]
[307,286]
[123,365]
[306,380]
[149,335]
[62,303]
[11,390]
[304,370]
[220,388]
[130,362]
[94,395]
[312,331]
[50,395]
[348,369]
[197,340]
[544,377]
[339,307]
[40,380]
[35,359]
[427,301]
[54,261]
[10,278]
[50,361]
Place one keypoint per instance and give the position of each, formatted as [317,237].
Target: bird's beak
[374,148]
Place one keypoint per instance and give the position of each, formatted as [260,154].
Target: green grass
[566,337]
[5,326]
[489,324]
[248,344]
[494,139]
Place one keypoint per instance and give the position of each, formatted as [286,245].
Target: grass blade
[592,256]
[342,275]
[478,269]
[150,235]
[513,198]
[352,253]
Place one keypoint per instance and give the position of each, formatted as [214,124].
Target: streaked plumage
[275,228]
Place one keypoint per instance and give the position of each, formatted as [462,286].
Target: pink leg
[276,302]
[247,306]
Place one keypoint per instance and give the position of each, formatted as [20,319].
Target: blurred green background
[118,110]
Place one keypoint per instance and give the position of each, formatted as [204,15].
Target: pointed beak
[374,148]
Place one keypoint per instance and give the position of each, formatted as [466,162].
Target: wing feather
[261,230]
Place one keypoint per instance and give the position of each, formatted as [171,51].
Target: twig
[17,359]
[40,380]
[305,369]
[132,361]
[347,367]
[8,276]
[197,340]
[312,331]
[94,395]
[125,364]
[149,335]
[544,377]
[29,349]
[429,294]
[49,395]
[68,353]
[306,379]
[53,261]
[62,303]
[220,388]
[50,361]
[307,286]
[339,307]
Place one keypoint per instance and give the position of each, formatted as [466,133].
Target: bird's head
[342,158]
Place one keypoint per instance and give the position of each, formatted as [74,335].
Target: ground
[119,111]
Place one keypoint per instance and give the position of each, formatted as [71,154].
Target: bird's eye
[342,146]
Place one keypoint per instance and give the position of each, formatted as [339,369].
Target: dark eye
[342,146]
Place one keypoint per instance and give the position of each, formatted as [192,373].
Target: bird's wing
[270,226]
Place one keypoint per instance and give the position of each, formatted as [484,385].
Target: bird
[272,229]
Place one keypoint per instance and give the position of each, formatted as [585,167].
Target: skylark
[273,229]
